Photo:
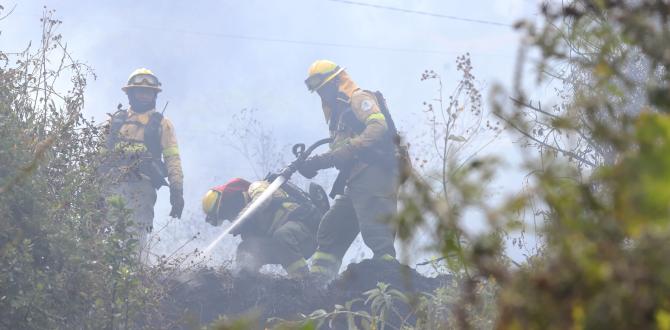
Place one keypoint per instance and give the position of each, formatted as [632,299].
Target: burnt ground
[201,297]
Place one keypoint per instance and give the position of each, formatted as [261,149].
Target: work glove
[177,201]
[313,164]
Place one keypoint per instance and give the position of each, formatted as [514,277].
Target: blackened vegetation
[208,295]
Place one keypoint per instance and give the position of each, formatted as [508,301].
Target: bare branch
[546,145]
[9,13]
[532,107]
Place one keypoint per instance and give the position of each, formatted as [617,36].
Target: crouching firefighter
[141,151]
[365,150]
[282,231]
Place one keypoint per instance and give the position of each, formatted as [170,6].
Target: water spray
[284,175]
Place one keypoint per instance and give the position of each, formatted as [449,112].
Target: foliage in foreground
[381,301]
[600,181]
[66,258]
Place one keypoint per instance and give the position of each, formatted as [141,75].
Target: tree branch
[566,152]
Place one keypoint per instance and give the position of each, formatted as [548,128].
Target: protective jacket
[282,207]
[359,130]
[144,145]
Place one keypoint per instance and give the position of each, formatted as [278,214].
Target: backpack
[401,148]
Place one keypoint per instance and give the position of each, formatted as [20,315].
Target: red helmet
[227,200]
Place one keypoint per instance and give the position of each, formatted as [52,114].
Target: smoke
[215,59]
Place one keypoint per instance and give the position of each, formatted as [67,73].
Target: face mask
[141,106]
[329,93]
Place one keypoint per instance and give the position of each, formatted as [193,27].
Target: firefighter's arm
[173,164]
[171,154]
[366,109]
[257,188]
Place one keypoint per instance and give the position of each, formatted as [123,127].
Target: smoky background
[227,66]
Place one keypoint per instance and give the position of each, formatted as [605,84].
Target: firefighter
[141,149]
[363,151]
[282,231]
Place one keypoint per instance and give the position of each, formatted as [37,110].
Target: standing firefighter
[282,231]
[141,152]
[363,151]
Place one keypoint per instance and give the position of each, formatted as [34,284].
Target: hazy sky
[215,58]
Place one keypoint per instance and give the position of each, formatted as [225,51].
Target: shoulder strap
[343,118]
[116,122]
[342,104]
[349,121]
[152,135]
[383,107]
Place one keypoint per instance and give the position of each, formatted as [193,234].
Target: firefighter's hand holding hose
[337,158]
[312,165]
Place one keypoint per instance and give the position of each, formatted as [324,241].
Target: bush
[66,259]
[599,179]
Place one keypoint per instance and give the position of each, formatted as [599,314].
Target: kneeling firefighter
[366,151]
[282,231]
[141,151]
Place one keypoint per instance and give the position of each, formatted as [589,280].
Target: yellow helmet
[143,77]
[210,203]
[321,72]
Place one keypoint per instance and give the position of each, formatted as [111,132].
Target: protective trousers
[289,245]
[369,199]
[139,197]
